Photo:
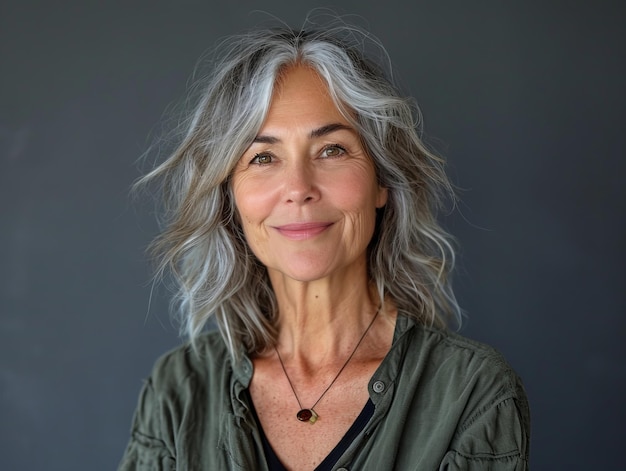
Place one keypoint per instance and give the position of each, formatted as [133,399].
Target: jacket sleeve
[494,439]
[147,450]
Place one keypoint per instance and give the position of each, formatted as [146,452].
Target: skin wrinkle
[313,279]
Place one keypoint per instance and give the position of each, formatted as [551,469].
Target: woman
[301,217]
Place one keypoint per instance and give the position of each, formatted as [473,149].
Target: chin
[305,272]
[305,276]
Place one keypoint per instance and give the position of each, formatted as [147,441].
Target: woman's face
[305,190]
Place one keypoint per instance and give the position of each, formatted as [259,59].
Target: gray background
[526,100]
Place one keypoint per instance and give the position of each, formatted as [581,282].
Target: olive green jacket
[442,402]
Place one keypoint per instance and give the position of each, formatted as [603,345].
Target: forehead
[301,95]
[299,77]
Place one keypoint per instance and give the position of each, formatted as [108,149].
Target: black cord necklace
[309,415]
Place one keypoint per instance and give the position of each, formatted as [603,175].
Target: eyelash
[334,146]
[255,159]
[342,150]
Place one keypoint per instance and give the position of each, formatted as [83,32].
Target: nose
[300,184]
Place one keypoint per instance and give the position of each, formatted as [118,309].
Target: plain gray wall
[526,99]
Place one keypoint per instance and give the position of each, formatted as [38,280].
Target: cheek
[247,213]
[248,200]
[253,204]
[359,202]
[358,193]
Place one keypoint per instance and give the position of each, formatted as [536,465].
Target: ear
[381,197]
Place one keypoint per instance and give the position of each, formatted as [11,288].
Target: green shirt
[442,402]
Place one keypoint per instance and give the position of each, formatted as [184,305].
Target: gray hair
[202,245]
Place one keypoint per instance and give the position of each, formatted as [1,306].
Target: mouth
[302,231]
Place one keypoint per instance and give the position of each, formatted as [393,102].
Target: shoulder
[459,368]
[184,394]
[450,350]
[204,361]
[452,342]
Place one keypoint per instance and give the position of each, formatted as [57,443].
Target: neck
[324,318]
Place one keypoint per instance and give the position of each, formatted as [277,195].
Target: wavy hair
[202,245]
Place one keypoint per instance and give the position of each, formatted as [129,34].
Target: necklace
[309,415]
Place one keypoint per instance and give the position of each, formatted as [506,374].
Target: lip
[302,231]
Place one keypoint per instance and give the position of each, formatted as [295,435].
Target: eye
[333,150]
[262,159]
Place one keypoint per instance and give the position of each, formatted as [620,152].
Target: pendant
[307,415]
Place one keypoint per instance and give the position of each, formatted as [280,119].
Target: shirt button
[378,386]
[342,469]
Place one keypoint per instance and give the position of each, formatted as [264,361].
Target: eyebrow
[319,132]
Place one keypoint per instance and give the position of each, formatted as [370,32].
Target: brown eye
[262,159]
[333,151]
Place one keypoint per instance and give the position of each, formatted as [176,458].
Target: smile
[302,231]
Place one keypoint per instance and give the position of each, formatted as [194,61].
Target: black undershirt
[274,464]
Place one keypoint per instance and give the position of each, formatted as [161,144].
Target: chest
[303,445]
